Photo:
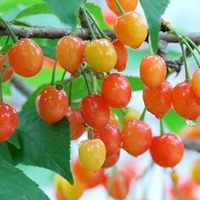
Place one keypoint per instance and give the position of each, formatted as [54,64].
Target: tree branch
[191,144]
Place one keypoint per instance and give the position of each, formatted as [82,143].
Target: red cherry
[185,102]
[51,104]
[158,101]
[167,149]
[95,111]
[8,121]
[116,90]
[137,136]
[111,160]
[70,114]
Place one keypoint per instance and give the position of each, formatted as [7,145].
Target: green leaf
[40,8]
[5,152]
[5,48]
[136,83]
[7,88]
[16,185]
[66,10]
[14,141]
[154,9]
[42,144]
[49,52]
[96,11]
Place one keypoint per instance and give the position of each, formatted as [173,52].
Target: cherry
[9,121]
[137,136]
[111,137]
[195,82]
[196,171]
[190,132]
[122,55]
[158,101]
[8,74]
[3,58]
[109,16]
[152,66]
[167,149]
[118,184]
[70,114]
[114,119]
[127,5]
[185,102]
[92,154]
[131,29]
[60,196]
[69,52]
[111,160]
[95,111]
[101,55]
[51,104]
[26,57]
[116,90]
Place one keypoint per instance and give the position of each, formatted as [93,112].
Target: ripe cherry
[195,82]
[101,55]
[26,57]
[116,90]
[70,114]
[185,102]
[111,160]
[114,119]
[137,137]
[9,121]
[95,111]
[69,52]
[158,101]
[60,196]
[196,171]
[8,74]
[3,58]
[152,66]
[131,29]
[127,5]
[92,153]
[122,55]
[51,104]
[109,16]
[167,149]
[111,137]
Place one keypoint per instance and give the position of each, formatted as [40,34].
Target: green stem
[192,43]
[63,76]
[103,35]
[143,115]
[22,23]
[88,23]
[120,8]
[123,111]
[91,134]
[94,82]
[70,93]
[9,30]
[61,85]
[86,81]
[1,82]
[161,127]
[7,40]
[53,74]
[187,76]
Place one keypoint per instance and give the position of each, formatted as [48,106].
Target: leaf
[49,52]
[136,83]
[40,8]
[16,185]
[5,152]
[7,88]
[66,10]
[96,11]
[42,144]
[5,49]
[154,9]
[14,141]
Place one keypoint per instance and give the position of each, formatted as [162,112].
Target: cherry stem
[94,82]
[61,85]
[86,81]
[88,23]
[91,134]
[1,82]
[192,43]
[53,74]
[161,127]
[63,76]
[103,35]
[120,8]
[143,115]
[150,45]
[9,30]
[70,94]
[123,110]
[7,40]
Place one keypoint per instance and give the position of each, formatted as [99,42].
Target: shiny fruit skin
[95,111]
[152,70]
[116,90]
[70,114]
[3,58]
[158,101]
[26,57]
[195,82]
[109,16]
[8,74]
[111,160]
[92,154]
[185,102]
[131,29]
[127,5]
[131,114]
[137,137]
[196,171]
[167,150]
[60,196]
[114,119]
[9,121]
[122,55]
[111,137]
[51,104]
[101,55]
[69,52]
[118,185]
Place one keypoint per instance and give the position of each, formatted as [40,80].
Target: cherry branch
[191,144]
